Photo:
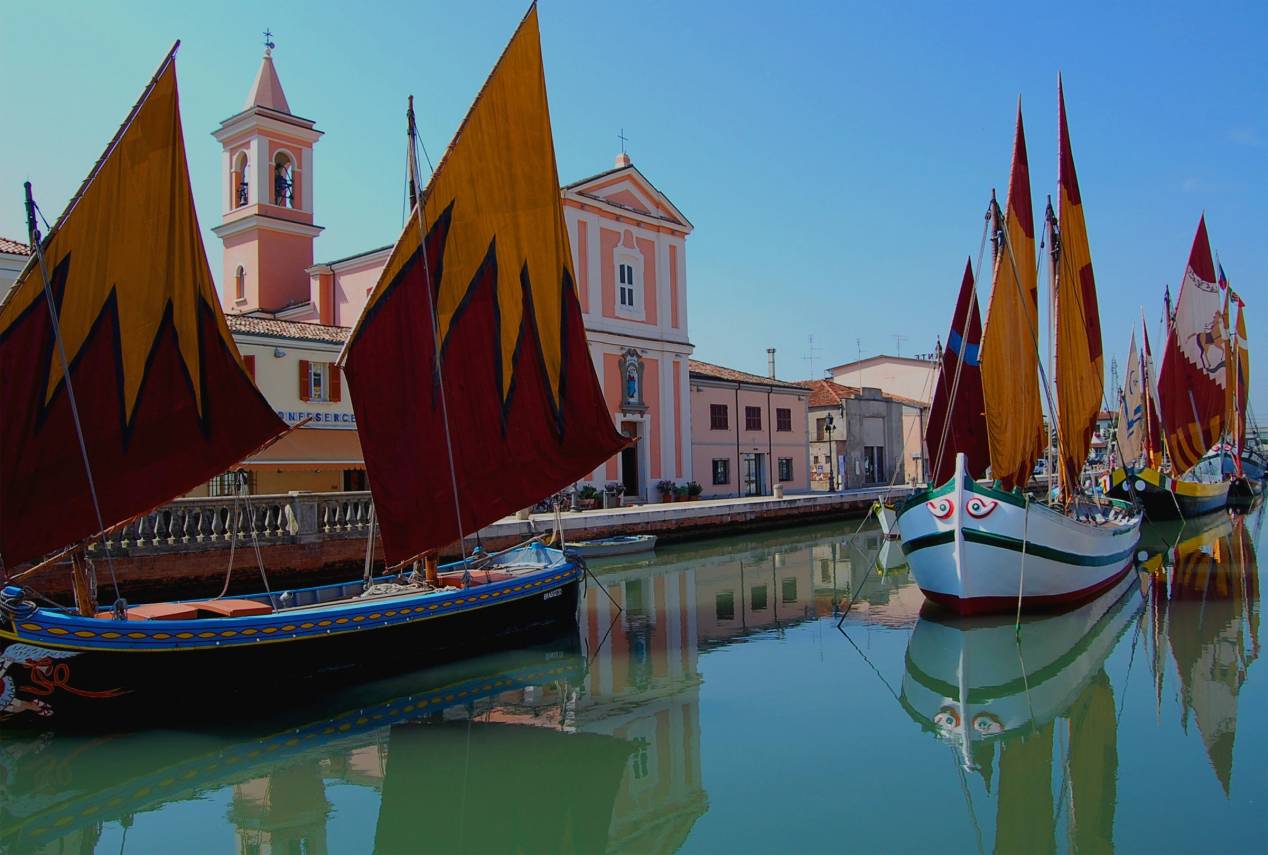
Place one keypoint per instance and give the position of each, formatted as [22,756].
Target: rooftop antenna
[812,353]
[268,41]
[898,343]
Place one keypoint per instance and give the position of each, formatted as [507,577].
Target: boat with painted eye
[138,394]
[975,547]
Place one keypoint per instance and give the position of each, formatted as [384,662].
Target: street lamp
[829,428]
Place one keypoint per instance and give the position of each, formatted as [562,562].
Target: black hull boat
[1167,498]
[52,671]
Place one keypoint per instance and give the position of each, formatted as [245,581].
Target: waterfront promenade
[182,549]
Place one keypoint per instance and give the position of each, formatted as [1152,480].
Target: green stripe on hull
[1001,541]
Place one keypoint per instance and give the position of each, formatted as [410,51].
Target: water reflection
[597,742]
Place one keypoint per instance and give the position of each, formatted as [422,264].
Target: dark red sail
[957,419]
[163,398]
[526,416]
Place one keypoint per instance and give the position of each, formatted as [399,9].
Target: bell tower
[267,199]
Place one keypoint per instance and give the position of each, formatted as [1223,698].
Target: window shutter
[336,384]
[248,361]
[305,381]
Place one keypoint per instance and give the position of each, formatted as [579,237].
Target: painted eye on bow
[947,718]
[987,724]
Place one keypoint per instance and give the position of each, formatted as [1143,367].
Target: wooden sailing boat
[977,548]
[1193,401]
[160,402]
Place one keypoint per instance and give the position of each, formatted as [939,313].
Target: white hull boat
[610,547]
[977,549]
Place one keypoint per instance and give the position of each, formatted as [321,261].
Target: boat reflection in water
[1021,703]
[1204,606]
[438,742]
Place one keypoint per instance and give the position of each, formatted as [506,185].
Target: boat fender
[14,603]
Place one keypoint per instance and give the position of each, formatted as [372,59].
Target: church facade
[629,255]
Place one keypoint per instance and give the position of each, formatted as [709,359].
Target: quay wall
[183,549]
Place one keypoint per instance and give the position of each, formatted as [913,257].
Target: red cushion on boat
[233,608]
[158,611]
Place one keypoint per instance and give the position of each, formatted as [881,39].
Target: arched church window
[283,181]
[241,194]
[240,284]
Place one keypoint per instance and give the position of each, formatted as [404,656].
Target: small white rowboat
[608,547]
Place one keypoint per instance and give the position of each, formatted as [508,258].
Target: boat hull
[978,550]
[613,546]
[52,678]
[1167,498]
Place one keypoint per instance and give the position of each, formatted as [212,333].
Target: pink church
[629,253]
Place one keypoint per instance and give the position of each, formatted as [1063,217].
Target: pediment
[628,189]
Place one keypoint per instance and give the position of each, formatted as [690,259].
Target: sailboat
[977,548]
[156,401]
[1242,458]
[1192,401]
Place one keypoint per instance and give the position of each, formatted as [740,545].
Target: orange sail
[1080,365]
[161,393]
[1241,381]
[1192,382]
[525,415]
[1010,359]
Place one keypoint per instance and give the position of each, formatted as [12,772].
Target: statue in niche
[632,381]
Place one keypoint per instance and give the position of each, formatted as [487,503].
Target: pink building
[748,433]
[629,254]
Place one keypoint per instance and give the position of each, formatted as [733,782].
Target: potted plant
[680,493]
[666,490]
[694,489]
[612,493]
[587,497]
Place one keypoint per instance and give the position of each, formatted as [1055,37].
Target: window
[283,182]
[816,459]
[319,381]
[825,570]
[721,470]
[785,469]
[625,275]
[717,417]
[240,284]
[788,594]
[783,419]
[239,188]
[354,481]
[724,606]
[821,429]
[227,484]
[758,599]
[752,418]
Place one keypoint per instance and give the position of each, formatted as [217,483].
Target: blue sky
[835,159]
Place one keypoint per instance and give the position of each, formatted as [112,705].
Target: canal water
[708,701]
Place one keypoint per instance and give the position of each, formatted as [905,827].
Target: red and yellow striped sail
[1192,381]
[1080,365]
[526,416]
[163,398]
[1010,359]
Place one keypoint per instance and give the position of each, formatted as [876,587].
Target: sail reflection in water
[1205,607]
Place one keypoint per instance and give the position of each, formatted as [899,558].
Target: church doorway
[630,476]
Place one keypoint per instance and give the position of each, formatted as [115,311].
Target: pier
[319,537]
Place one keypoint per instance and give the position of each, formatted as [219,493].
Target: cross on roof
[268,40]
[623,138]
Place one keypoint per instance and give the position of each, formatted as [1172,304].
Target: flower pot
[666,498]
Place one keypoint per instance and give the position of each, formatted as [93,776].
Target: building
[895,375]
[869,444]
[748,433]
[13,257]
[629,255]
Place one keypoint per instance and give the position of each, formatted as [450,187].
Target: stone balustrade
[200,523]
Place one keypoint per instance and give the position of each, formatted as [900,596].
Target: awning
[307,448]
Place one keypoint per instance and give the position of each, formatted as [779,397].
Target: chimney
[770,362]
